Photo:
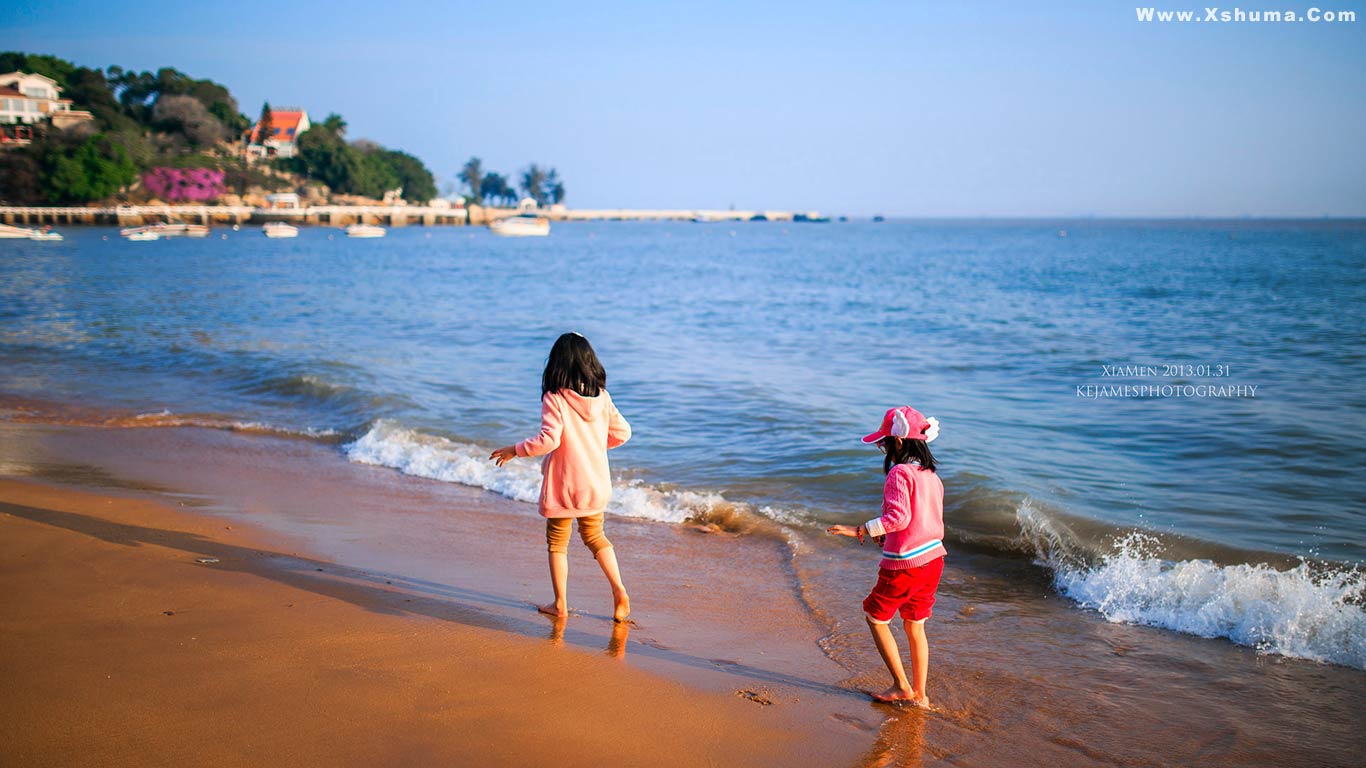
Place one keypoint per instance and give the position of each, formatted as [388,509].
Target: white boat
[365,230]
[142,236]
[8,232]
[167,229]
[46,236]
[280,229]
[521,225]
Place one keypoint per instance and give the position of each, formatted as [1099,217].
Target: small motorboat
[45,236]
[142,236]
[365,230]
[521,225]
[168,229]
[9,232]
[277,229]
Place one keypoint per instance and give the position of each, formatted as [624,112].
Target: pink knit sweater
[576,433]
[912,518]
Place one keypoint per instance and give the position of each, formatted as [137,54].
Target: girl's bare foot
[622,606]
[551,609]
[895,694]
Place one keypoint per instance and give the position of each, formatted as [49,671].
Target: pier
[343,215]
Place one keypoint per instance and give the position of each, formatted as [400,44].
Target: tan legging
[590,530]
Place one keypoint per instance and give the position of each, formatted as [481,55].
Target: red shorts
[910,590]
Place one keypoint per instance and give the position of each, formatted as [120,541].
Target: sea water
[1166,417]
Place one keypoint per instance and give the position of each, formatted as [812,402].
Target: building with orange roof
[286,123]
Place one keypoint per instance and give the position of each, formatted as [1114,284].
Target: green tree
[533,183]
[335,124]
[362,167]
[138,91]
[59,70]
[554,187]
[263,126]
[82,171]
[417,182]
[495,188]
[473,176]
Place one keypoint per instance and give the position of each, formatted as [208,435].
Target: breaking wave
[1311,611]
[390,444]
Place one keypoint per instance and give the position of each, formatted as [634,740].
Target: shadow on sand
[397,595]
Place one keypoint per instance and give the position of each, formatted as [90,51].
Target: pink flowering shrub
[197,185]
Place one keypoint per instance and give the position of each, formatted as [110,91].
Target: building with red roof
[286,124]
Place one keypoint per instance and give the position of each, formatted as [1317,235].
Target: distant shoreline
[342,215]
[428,215]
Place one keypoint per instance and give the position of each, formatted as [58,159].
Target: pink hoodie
[576,432]
[912,518]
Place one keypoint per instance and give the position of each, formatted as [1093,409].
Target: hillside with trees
[168,135]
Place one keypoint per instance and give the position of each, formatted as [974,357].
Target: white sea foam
[1304,612]
[166,418]
[390,444]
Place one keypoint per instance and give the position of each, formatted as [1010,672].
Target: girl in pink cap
[910,529]
[579,424]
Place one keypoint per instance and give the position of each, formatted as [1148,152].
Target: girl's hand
[504,455]
[852,531]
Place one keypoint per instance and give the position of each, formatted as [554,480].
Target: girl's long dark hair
[572,364]
[902,451]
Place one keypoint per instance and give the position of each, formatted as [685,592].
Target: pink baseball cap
[907,422]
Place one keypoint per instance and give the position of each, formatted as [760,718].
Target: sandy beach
[360,616]
[122,646]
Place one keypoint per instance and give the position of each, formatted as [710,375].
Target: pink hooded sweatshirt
[576,432]
[912,518]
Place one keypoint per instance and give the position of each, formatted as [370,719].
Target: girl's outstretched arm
[896,505]
[552,424]
[618,428]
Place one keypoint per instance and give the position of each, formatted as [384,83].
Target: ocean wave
[1310,611]
[301,385]
[390,444]
[13,408]
[214,421]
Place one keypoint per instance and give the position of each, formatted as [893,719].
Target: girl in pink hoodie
[579,424]
[911,531]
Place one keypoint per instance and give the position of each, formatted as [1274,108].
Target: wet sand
[288,653]
[119,647]
[421,621]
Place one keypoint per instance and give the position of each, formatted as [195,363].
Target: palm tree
[554,187]
[494,187]
[335,124]
[473,176]
[533,183]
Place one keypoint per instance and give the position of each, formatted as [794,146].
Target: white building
[286,123]
[27,99]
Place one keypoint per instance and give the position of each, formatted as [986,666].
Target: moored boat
[9,232]
[142,235]
[365,230]
[278,229]
[168,229]
[521,225]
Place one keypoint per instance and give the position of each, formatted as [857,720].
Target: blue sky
[908,108]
